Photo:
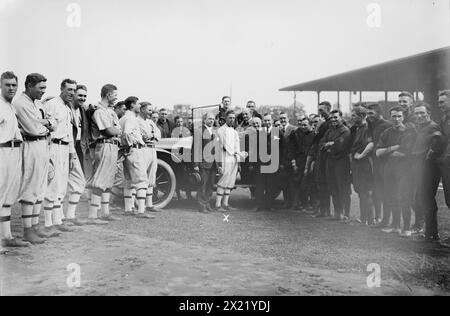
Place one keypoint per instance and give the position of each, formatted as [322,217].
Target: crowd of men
[57,147]
[395,165]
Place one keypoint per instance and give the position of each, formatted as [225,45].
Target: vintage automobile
[174,173]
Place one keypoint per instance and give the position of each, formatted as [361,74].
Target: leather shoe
[30,235]
[152,209]
[46,232]
[64,228]
[202,209]
[229,208]
[219,209]
[14,243]
[145,216]
[67,222]
[75,222]
[96,221]
[52,231]
[3,251]
[109,218]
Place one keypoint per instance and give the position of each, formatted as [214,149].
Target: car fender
[165,154]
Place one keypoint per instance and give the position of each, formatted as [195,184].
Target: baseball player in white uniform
[151,135]
[62,153]
[35,126]
[105,132]
[229,161]
[117,190]
[77,180]
[135,166]
[11,160]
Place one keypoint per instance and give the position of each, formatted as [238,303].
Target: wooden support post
[295,100]
[318,100]
[339,101]
[350,99]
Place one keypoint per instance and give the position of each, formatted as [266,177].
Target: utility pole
[295,101]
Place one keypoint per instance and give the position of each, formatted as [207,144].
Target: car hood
[170,143]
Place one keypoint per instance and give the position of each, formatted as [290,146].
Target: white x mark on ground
[225,218]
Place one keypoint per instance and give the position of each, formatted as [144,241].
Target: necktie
[213,151]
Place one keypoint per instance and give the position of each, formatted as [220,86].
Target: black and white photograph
[225,153]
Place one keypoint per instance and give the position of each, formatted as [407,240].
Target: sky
[196,51]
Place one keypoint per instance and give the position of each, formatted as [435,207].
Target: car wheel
[166,183]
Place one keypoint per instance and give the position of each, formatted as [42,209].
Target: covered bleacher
[425,73]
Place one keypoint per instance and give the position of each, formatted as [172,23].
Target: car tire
[166,183]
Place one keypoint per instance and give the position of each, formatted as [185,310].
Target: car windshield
[186,142]
[198,112]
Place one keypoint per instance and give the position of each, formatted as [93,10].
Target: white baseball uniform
[59,152]
[77,181]
[106,154]
[35,154]
[10,157]
[135,169]
[230,144]
[151,135]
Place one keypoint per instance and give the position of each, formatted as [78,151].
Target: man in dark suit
[180,131]
[166,127]
[251,108]
[221,118]
[428,141]
[321,161]
[395,146]
[336,144]
[377,125]
[286,179]
[300,143]
[438,169]
[266,140]
[204,161]
[361,165]
[80,124]
[246,121]
[250,144]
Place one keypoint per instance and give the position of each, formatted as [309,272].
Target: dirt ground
[183,252]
